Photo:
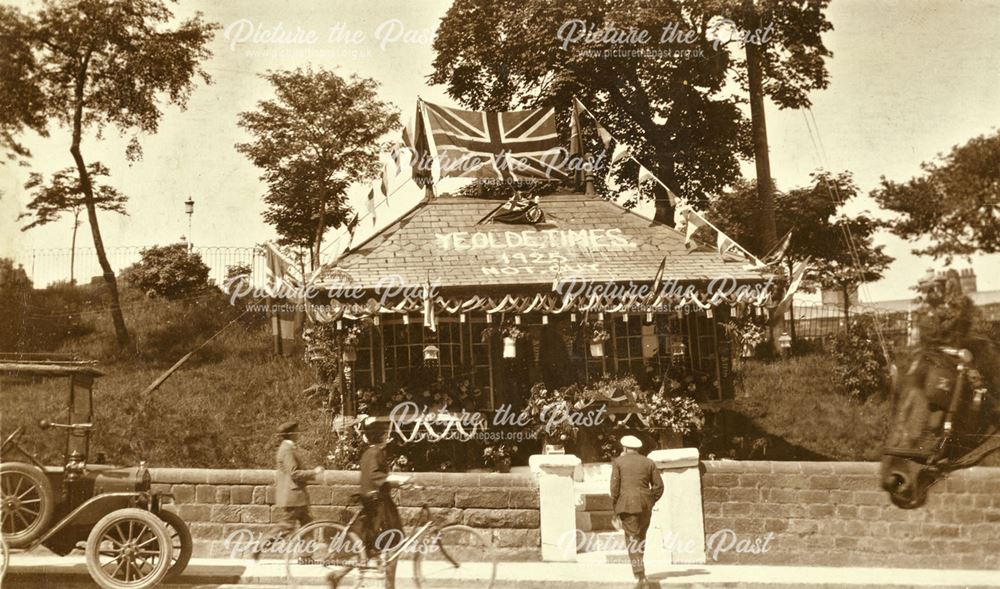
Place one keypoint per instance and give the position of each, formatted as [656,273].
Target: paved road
[53,572]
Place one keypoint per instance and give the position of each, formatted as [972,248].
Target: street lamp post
[189,209]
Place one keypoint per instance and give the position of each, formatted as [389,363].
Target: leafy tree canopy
[672,101]
[842,248]
[319,134]
[955,202]
[63,194]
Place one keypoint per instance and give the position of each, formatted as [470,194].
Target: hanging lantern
[509,347]
[597,349]
[432,354]
[375,320]
[624,317]
[677,348]
[461,318]
[708,313]
[649,317]
[517,319]
[572,317]
[545,319]
[406,319]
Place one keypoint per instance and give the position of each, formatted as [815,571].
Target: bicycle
[324,549]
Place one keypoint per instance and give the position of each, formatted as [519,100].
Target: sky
[909,80]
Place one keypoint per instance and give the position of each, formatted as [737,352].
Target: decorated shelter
[446,293]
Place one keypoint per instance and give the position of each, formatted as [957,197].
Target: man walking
[290,481]
[635,487]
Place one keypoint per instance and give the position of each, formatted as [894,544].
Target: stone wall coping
[555,463]
[551,462]
[675,458]
[832,468]
[210,476]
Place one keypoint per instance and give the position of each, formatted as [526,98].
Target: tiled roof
[585,237]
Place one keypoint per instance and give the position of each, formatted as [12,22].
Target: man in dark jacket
[379,526]
[635,487]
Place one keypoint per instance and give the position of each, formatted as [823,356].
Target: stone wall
[834,513]
[218,503]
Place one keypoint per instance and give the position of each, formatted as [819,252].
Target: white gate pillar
[556,504]
[677,528]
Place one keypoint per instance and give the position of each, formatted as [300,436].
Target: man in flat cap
[290,479]
[635,487]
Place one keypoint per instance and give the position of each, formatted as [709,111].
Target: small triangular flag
[621,152]
[645,175]
[606,137]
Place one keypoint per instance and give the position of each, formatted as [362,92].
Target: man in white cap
[635,487]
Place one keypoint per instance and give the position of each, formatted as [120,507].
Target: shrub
[861,369]
[169,271]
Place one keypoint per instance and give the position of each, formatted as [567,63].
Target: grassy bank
[222,407]
[792,410]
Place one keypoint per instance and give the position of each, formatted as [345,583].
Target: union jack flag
[509,145]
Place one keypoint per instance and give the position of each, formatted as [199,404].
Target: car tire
[27,502]
[109,538]
[183,545]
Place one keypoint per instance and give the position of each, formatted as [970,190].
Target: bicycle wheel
[323,551]
[455,556]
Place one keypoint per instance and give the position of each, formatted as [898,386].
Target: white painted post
[556,505]
[677,528]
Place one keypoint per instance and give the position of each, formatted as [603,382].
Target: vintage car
[130,539]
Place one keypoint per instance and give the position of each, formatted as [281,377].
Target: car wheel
[27,503]
[180,541]
[129,549]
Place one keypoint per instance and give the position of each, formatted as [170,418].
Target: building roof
[584,237]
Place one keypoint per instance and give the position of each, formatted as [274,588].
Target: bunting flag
[694,222]
[778,251]
[645,175]
[371,204]
[658,279]
[576,141]
[621,152]
[726,245]
[396,152]
[384,187]
[680,216]
[351,226]
[508,145]
[606,137]
[798,273]
[430,319]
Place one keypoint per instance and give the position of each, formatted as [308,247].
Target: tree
[319,134]
[99,63]
[63,194]
[21,101]
[810,213]
[676,109]
[955,202]
[858,261]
